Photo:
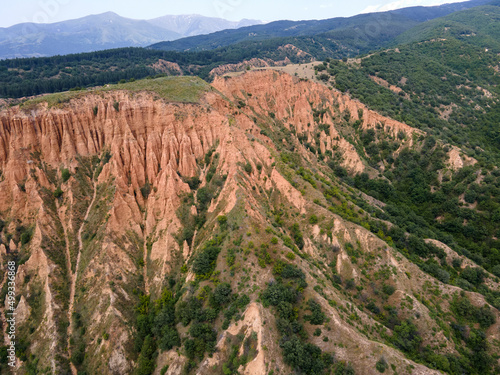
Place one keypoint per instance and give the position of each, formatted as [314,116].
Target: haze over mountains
[104,31]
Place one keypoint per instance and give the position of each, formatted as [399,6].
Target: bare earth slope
[109,201]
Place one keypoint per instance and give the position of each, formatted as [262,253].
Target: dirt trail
[74,275]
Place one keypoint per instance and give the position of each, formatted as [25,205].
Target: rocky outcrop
[168,67]
[293,101]
[252,63]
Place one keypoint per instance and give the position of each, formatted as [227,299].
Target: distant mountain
[91,33]
[102,31]
[386,25]
[194,24]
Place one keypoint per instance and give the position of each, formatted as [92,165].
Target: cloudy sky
[48,11]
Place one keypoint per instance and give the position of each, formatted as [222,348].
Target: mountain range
[103,31]
[365,26]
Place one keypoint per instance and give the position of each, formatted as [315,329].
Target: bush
[382,365]
[58,193]
[496,270]
[288,271]
[146,190]
[248,168]
[475,275]
[146,361]
[457,263]
[204,340]
[65,174]
[222,294]
[204,196]
[313,219]
[406,337]
[26,237]
[297,235]
[305,357]
[317,316]
[277,293]
[205,261]
[388,289]
[193,182]
[78,355]
[324,77]
[433,269]
[222,220]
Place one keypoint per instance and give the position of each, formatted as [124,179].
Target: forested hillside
[333,38]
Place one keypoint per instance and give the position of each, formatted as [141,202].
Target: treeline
[34,76]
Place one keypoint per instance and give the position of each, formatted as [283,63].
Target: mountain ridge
[101,31]
[411,16]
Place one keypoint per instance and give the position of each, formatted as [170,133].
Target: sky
[49,11]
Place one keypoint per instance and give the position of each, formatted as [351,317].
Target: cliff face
[295,102]
[153,147]
[106,197]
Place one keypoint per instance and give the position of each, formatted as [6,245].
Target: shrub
[65,174]
[222,294]
[204,196]
[297,235]
[350,284]
[205,261]
[146,190]
[304,356]
[475,275]
[406,337]
[496,270]
[317,316]
[26,237]
[204,340]
[58,193]
[388,289]
[193,182]
[382,365]
[222,220]
[248,168]
[456,262]
[313,219]
[277,293]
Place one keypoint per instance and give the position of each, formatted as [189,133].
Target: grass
[184,89]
